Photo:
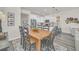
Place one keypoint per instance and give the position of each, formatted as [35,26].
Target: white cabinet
[73,27]
[77,40]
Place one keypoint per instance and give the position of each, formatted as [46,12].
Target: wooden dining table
[38,35]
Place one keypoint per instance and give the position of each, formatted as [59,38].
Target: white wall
[37,17]
[65,14]
[13,31]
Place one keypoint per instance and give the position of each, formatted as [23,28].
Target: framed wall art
[71,20]
[11,19]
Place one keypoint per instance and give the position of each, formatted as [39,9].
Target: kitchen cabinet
[77,40]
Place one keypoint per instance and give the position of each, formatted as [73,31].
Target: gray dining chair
[48,42]
[21,33]
[33,23]
[45,27]
[39,26]
[26,41]
[57,30]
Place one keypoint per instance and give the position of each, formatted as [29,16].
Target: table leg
[38,45]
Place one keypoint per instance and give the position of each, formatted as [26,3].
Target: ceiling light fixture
[56,9]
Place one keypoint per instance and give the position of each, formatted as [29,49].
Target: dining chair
[21,33]
[26,40]
[39,26]
[57,30]
[48,42]
[45,27]
[33,23]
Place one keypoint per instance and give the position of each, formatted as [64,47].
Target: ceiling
[47,10]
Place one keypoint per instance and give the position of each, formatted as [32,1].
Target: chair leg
[53,47]
[43,45]
[24,46]
[30,48]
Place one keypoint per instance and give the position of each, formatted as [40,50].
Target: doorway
[24,19]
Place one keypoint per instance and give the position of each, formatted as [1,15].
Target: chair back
[33,23]
[46,27]
[21,34]
[24,35]
[26,32]
[57,30]
[39,25]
